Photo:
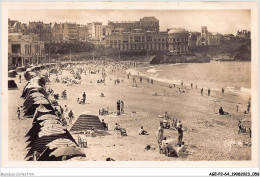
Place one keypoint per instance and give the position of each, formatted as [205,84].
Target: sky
[221,21]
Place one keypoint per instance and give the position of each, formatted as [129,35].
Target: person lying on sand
[117,127]
[142,131]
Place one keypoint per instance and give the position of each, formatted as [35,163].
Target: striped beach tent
[61,142]
[87,121]
[47,130]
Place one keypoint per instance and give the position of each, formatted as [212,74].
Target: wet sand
[205,135]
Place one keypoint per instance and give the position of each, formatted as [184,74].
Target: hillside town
[26,42]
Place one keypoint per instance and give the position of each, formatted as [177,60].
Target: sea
[233,76]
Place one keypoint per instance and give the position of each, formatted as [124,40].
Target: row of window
[140,46]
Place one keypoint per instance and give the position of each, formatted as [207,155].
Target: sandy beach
[208,136]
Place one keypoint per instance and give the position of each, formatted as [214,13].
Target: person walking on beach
[71,115]
[118,107]
[66,108]
[84,97]
[182,84]
[191,85]
[122,107]
[151,81]
[18,113]
[20,78]
[160,134]
[209,92]
[141,79]
[223,90]
[248,106]
[237,107]
[180,133]
[201,91]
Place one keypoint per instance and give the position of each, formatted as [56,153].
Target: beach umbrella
[66,151]
[61,142]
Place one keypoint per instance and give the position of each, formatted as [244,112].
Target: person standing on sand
[18,113]
[20,78]
[151,81]
[223,91]
[201,91]
[118,107]
[160,134]
[180,133]
[141,79]
[237,107]
[84,97]
[191,85]
[122,107]
[66,108]
[209,92]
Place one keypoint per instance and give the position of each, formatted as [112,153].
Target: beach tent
[29,87]
[46,117]
[37,126]
[30,111]
[87,121]
[54,71]
[20,69]
[28,104]
[33,97]
[11,74]
[47,130]
[15,73]
[12,85]
[52,146]
[40,144]
[41,110]
[33,89]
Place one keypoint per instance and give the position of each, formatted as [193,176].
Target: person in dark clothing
[20,78]
[84,97]
[209,92]
[201,91]
[18,113]
[240,129]
[221,111]
[180,135]
[104,124]
[118,107]
[223,91]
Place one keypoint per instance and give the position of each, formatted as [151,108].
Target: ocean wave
[151,70]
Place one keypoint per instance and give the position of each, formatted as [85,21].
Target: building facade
[178,41]
[25,49]
[57,33]
[243,34]
[82,33]
[70,32]
[95,31]
[41,29]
